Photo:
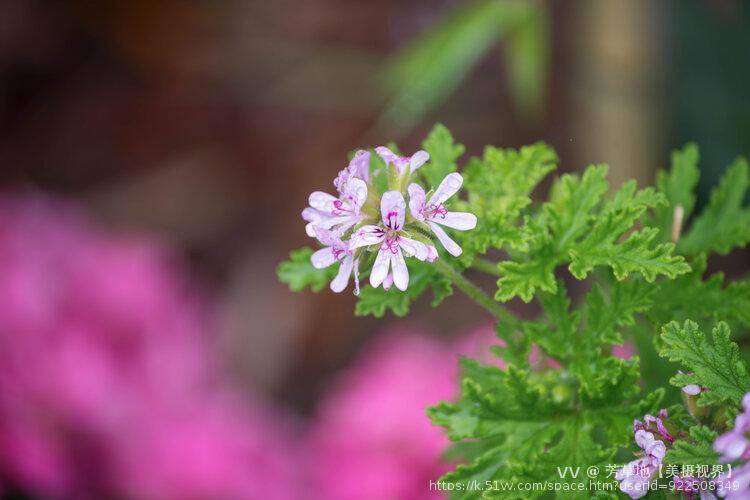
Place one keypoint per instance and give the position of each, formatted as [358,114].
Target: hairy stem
[486,266]
[477,294]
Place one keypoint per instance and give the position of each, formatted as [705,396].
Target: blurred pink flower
[372,439]
[109,384]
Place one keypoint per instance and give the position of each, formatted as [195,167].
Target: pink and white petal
[414,248]
[387,155]
[388,282]
[447,188]
[322,201]
[366,236]
[463,221]
[450,245]
[380,267]
[311,215]
[400,271]
[327,237]
[360,164]
[393,209]
[341,280]
[418,159]
[356,190]
[417,200]
[323,258]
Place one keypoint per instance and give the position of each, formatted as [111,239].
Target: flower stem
[477,294]
[486,266]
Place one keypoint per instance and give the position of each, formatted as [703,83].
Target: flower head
[361,220]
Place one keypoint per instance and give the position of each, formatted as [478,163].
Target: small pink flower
[328,212]
[336,250]
[392,242]
[400,162]
[434,213]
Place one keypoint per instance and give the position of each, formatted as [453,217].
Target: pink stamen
[390,244]
[338,253]
[338,208]
[435,211]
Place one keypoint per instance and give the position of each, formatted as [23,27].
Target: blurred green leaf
[433,65]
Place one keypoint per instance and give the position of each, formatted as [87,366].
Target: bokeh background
[155,156]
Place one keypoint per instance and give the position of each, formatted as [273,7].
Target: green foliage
[535,424]
[432,66]
[499,186]
[722,225]
[710,299]
[714,365]
[678,186]
[299,273]
[578,226]
[725,223]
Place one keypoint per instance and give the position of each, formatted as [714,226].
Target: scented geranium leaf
[579,227]
[535,424]
[678,186]
[499,186]
[602,246]
[443,155]
[710,299]
[376,301]
[714,365]
[572,200]
[695,450]
[298,272]
[522,279]
[557,326]
[564,218]
[635,254]
[725,223]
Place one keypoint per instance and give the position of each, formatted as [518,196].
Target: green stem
[486,266]
[477,294]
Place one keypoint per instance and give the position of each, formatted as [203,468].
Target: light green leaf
[725,223]
[716,366]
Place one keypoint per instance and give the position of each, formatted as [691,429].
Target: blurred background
[162,150]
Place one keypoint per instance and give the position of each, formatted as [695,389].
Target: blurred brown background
[208,123]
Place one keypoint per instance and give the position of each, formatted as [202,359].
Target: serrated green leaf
[498,186]
[678,186]
[710,299]
[578,227]
[531,430]
[716,366]
[725,223]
